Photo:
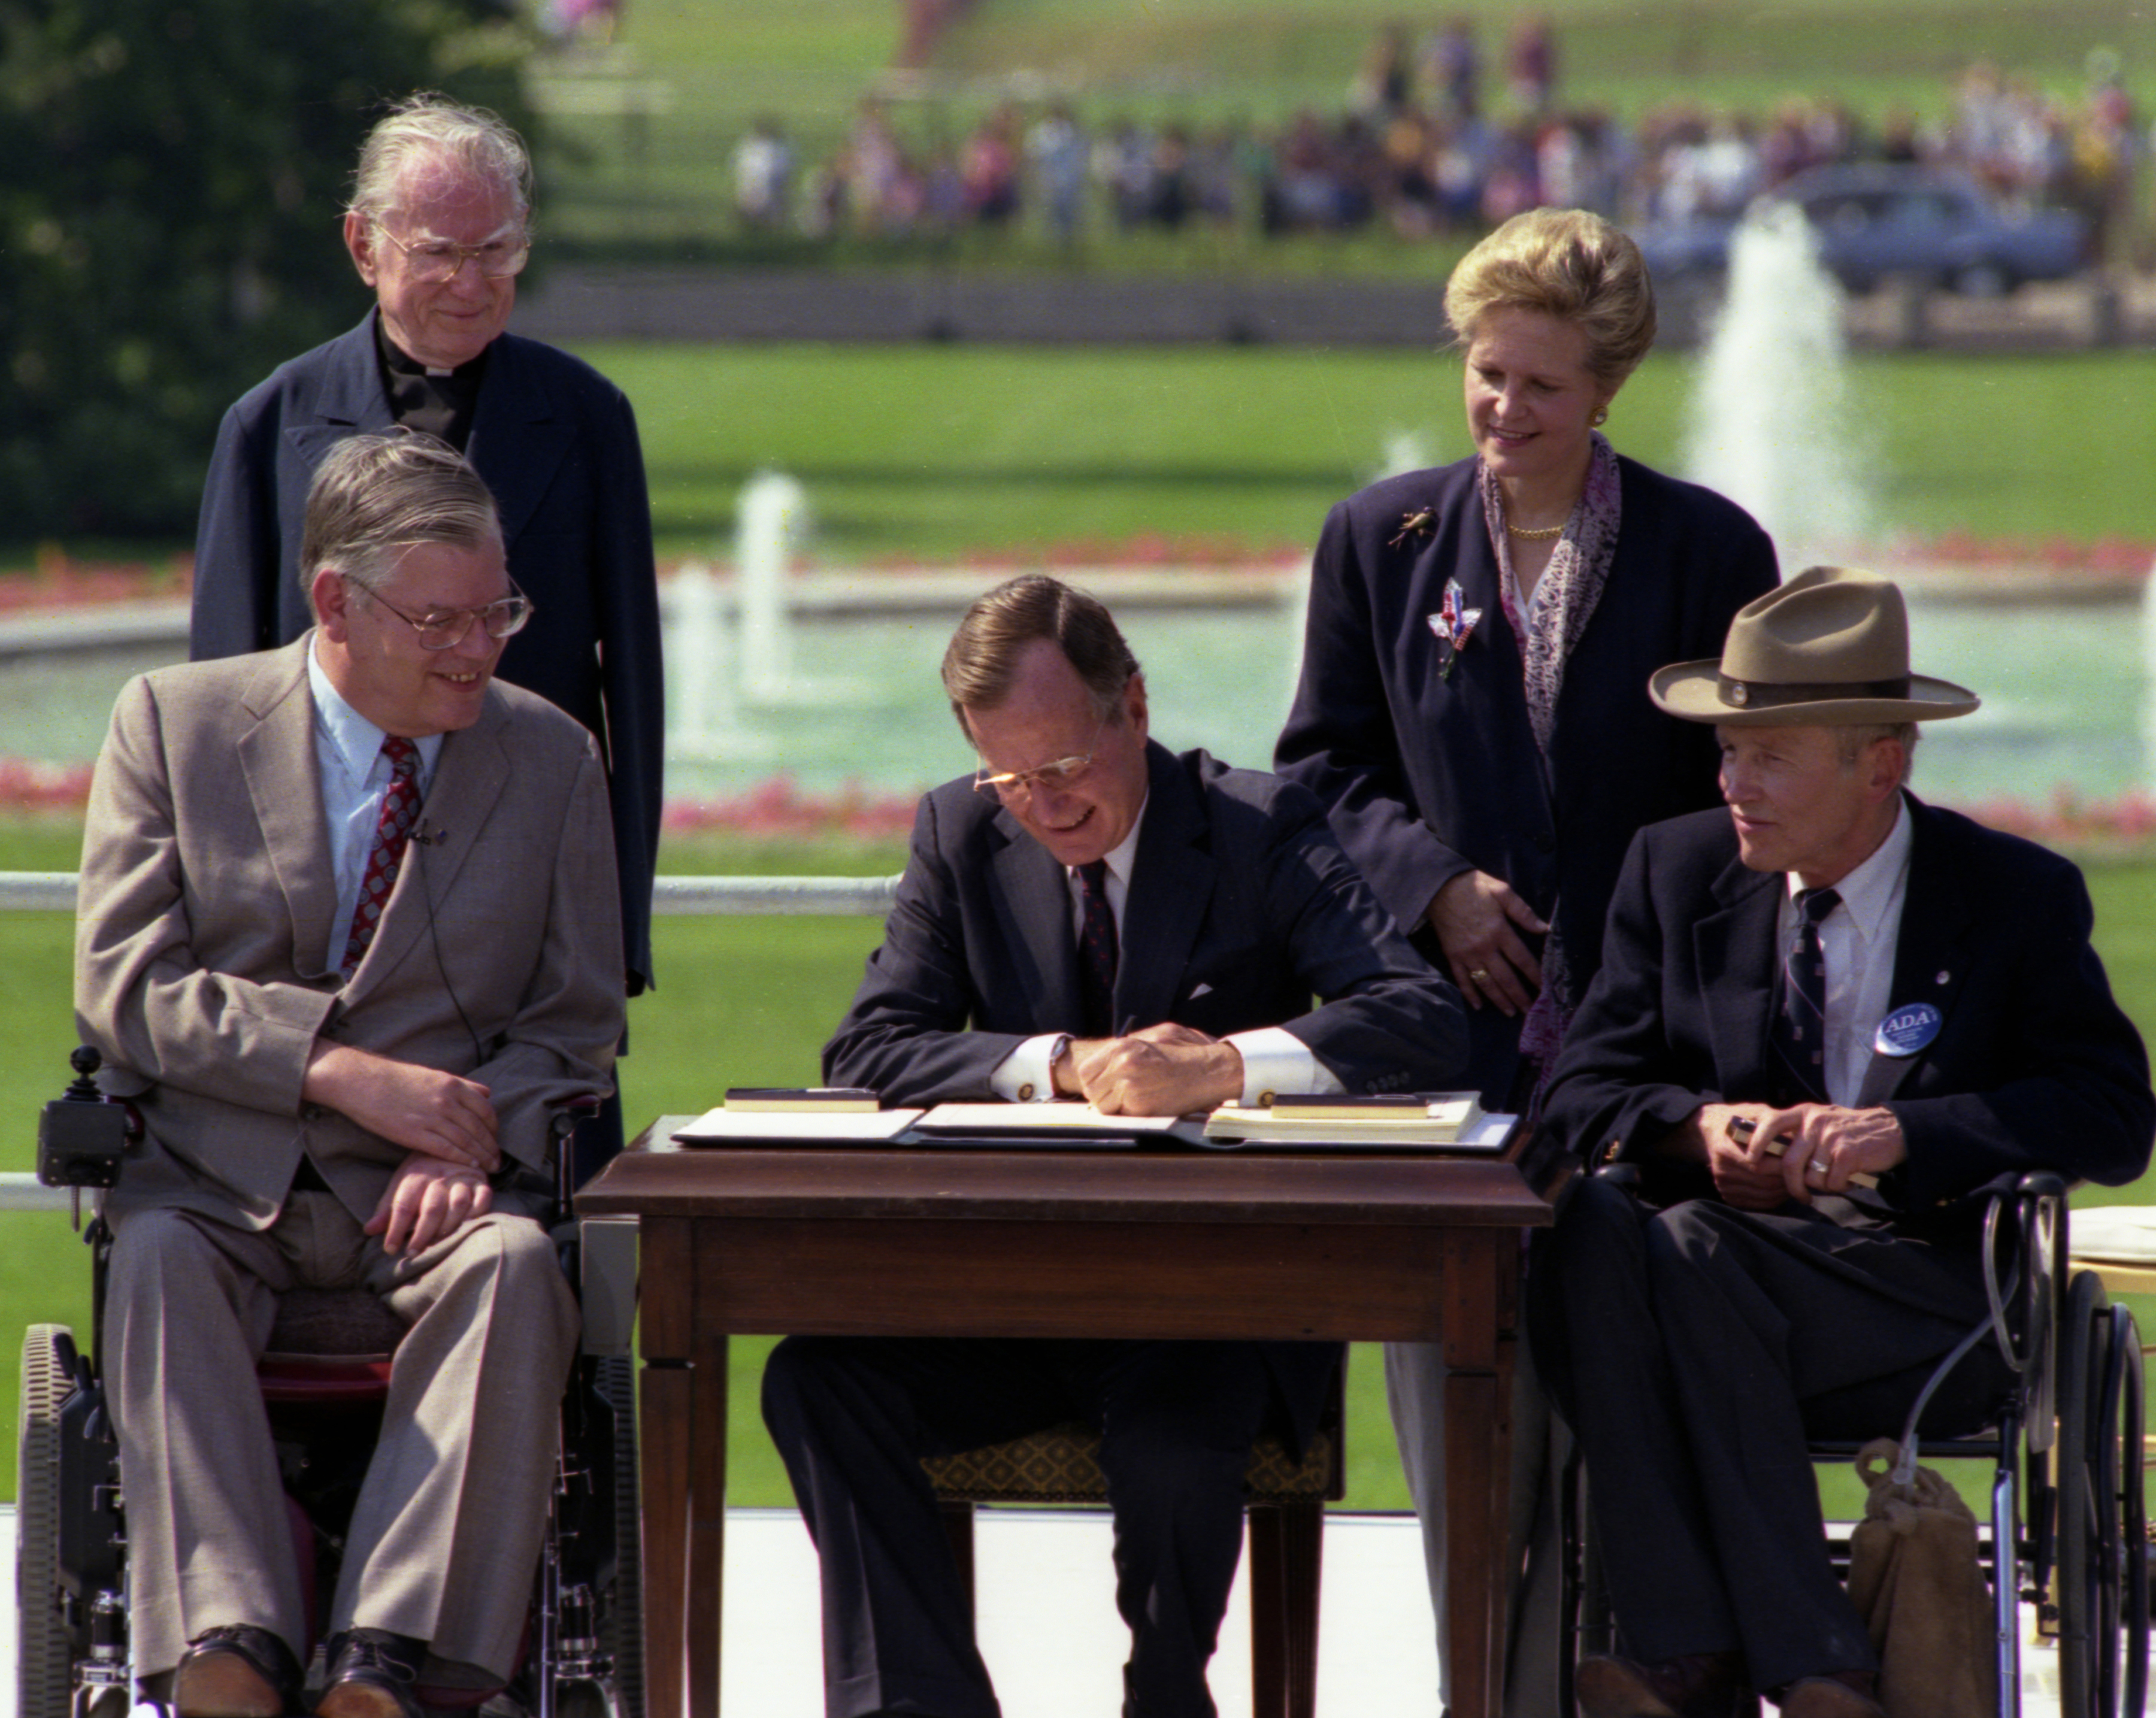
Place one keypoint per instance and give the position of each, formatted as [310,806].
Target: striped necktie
[1801,1024]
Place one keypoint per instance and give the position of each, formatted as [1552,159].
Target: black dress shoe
[1702,1686]
[236,1671]
[372,1673]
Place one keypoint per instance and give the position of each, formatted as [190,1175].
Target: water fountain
[772,525]
[1769,424]
[703,714]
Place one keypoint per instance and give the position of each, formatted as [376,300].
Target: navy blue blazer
[2034,1067]
[1427,775]
[557,444]
[1241,907]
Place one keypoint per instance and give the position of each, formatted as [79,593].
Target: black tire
[621,1627]
[45,1662]
[2095,1495]
[2133,1515]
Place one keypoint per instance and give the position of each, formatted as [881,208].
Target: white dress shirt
[1857,942]
[354,776]
[1274,1060]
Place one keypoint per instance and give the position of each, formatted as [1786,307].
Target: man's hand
[1829,1146]
[1787,1154]
[1474,915]
[1162,1070]
[427,1200]
[1744,1176]
[421,1109]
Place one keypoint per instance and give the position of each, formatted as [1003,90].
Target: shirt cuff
[1024,1076]
[1276,1060]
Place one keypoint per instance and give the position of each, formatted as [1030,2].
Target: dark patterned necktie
[1097,951]
[1800,1025]
[392,833]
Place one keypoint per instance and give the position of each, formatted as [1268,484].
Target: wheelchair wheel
[2102,1648]
[623,1626]
[45,1662]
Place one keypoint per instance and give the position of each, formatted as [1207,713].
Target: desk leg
[708,1519]
[667,1432]
[1479,1271]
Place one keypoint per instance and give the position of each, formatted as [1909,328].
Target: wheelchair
[2067,1526]
[324,1381]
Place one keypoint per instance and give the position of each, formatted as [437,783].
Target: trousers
[445,1537]
[1693,1351]
[853,1417]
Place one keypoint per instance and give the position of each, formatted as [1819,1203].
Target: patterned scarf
[1569,588]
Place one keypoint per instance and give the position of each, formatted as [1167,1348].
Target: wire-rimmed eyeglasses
[434,260]
[444,629]
[1054,775]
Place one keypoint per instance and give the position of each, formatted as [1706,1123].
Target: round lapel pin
[1907,1030]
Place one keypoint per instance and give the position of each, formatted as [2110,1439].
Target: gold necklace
[1540,534]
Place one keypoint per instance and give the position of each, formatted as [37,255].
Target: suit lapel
[1035,897]
[350,400]
[468,780]
[1930,952]
[1170,896]
[1739,943]
[517,438]
[277,757]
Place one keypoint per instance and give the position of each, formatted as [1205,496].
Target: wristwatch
[1056,1052]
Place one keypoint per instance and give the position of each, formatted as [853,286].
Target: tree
[172,176]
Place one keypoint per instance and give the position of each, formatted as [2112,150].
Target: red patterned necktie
[1097,951]
[393,830]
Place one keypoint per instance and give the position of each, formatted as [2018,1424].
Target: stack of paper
[1423,1119]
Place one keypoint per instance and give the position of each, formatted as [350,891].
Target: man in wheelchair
[347,930]
[1826,1019]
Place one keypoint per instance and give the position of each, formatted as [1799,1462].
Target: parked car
[1884,221]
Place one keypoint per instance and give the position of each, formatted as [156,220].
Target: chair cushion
[339,1321]
[1062,1464]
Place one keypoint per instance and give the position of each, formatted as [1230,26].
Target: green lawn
[741,1000]
[933,451]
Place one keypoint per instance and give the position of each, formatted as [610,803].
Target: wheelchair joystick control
[83,1136]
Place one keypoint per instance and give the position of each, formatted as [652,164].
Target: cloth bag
[1915,1578]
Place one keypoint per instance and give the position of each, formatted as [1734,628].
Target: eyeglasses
[444,629]
[1054,776]
[433,260]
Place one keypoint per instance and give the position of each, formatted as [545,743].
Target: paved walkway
[1049,1627]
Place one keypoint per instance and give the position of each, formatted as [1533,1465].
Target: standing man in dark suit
[1834,972]
[439,226]
[347,931]
[1089,916]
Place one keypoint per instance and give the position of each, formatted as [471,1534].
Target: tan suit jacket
[203,970]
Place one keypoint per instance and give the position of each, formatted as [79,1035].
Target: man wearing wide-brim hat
[1827,1018]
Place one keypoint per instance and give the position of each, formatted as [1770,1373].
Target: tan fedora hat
[1830,647]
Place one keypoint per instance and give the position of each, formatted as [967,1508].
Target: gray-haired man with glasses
[347,931]
[1089,914]
[439,227]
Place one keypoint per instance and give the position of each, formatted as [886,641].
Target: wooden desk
[923,1241]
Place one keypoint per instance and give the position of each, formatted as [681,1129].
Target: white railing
[675,897]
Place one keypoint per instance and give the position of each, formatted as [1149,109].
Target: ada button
[1907,1030]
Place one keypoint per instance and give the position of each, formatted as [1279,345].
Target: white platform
[1050,1631]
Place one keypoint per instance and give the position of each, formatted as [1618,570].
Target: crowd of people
[1422,146]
